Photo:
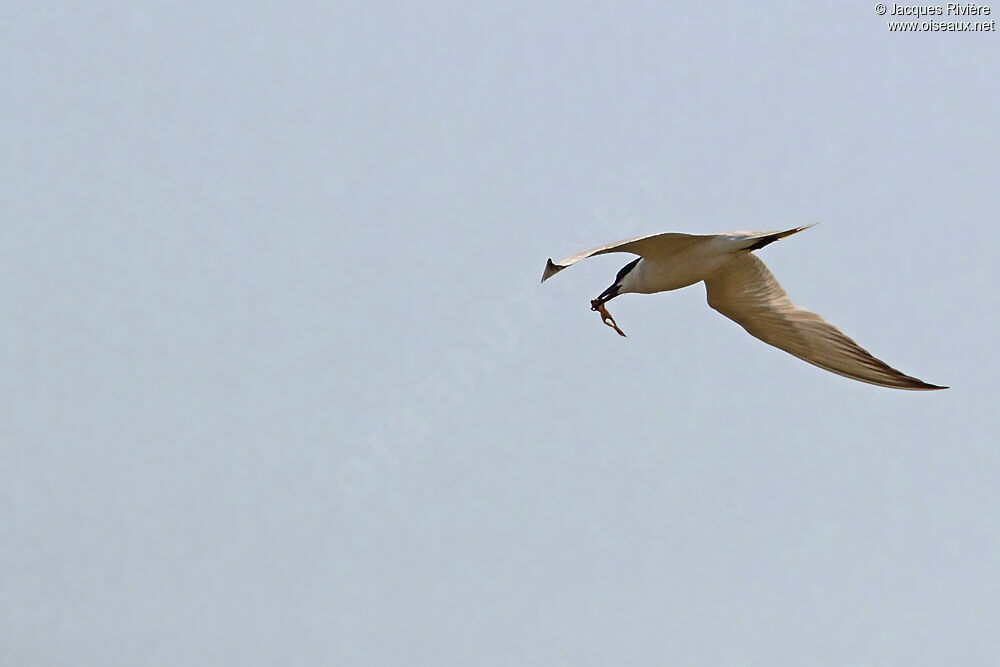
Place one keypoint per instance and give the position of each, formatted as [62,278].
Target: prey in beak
[597,305]
[610,293]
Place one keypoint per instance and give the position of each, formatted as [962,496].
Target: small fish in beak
[598,306]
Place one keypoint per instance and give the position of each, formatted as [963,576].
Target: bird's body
[685,267]
[740,287]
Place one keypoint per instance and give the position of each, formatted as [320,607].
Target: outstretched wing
[655,245]
[746,292]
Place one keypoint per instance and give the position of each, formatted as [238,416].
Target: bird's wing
[747,293]
[656,245]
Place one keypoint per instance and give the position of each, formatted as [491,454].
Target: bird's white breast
[676,271]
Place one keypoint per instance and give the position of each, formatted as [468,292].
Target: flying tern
[740,287]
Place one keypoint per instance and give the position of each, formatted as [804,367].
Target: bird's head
[621,284]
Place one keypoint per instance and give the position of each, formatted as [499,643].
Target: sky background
[279,385]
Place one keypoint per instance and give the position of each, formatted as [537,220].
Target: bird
[741,287]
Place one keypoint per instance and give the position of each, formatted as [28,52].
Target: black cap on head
[625,269]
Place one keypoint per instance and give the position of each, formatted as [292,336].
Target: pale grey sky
[279,384]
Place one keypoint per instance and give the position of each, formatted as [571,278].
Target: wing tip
[920,385]
[551,269]
[933,387]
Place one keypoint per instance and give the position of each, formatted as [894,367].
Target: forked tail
[767,239]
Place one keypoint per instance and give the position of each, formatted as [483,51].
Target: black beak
[609,294]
